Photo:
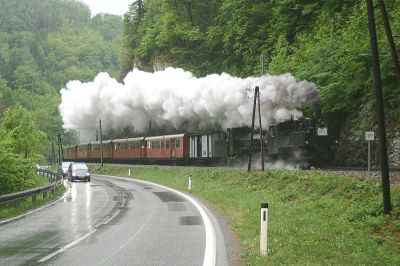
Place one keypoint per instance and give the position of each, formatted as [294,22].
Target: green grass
[315,218]
[10,210]
[38,181]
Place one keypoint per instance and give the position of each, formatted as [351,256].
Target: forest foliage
[326,42]
[43,45]
[46,43]
[21,144]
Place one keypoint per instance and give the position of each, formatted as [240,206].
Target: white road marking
[61,250]
[210,252]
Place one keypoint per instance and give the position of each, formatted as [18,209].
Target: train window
[157,145]
[162,144]
[167,144]
[272,132]
[149,145]
[177,143]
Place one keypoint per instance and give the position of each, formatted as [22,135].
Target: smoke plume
[174,96]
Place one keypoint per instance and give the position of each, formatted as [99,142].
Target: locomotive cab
[297,141]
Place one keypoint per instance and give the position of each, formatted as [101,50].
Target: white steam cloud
[174,96]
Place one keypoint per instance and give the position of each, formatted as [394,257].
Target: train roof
[128,139]
[99,142]
[81,144]
[176,136]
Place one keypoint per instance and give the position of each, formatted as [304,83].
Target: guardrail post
[17,204]
[44,194]
[33,198]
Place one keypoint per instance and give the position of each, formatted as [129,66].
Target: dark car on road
[78,171]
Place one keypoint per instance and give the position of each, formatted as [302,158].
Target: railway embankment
[315,217]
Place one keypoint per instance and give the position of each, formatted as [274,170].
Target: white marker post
[264,229]
[369,136]
[129,172]
[190,183]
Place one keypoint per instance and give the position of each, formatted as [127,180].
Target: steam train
[303,142]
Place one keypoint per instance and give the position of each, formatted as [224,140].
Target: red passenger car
[168,147]
[95,150]
[69,153]
[131,148]
[82,151]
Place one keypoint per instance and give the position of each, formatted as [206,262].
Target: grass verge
[10,210]
[315,218]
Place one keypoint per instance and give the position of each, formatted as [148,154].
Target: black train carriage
[302,142]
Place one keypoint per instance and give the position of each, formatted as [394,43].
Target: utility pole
[256,96]
[261,134]
[380,109]
[53,155]
[101,144]
[252,129]
[59,149]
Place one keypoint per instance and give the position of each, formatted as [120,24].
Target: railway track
[362,173]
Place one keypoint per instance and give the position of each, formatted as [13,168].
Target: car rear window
[79,166]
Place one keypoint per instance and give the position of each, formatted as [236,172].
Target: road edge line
[210,253]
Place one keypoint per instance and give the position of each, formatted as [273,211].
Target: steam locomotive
[303,142]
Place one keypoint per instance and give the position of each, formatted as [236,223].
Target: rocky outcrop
[353,149]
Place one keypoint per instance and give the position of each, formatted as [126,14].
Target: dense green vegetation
[21,144]
[326,42]
[315,218]
[46,43]
[43,45]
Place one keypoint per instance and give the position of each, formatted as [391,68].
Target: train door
[204,146]
[173,151]
[143,149]
[196,146]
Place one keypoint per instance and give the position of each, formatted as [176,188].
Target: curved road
[116,221]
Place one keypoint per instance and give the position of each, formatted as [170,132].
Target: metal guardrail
[55,181]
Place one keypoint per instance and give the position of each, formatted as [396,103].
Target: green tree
[21,144]
[25,139]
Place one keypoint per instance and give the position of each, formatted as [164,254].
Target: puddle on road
[169,197]
[176,207]
[190,220]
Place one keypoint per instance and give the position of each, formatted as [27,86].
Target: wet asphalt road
[111,221]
